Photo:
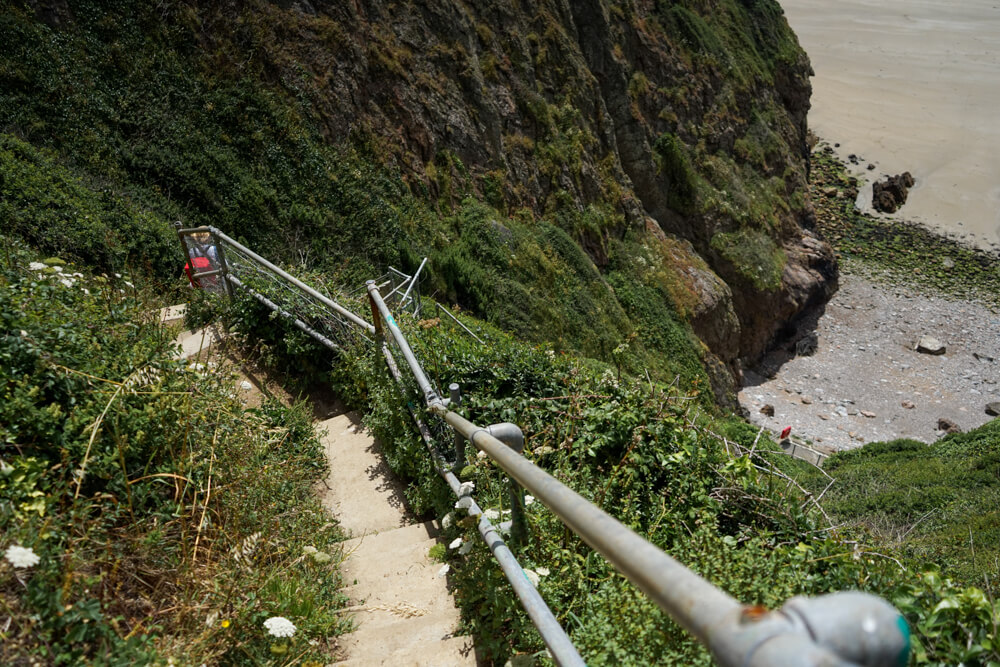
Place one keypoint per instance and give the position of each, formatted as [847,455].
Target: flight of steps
[404,613]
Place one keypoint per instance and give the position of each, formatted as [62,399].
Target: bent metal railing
[838,629]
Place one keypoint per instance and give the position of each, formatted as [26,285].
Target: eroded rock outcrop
[689,114]
[889,194]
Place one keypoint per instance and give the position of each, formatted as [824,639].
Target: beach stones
[930,345]
[948,426]
[993,409]
[890,194]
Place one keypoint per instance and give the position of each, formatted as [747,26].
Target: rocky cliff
[692,114]
[665,139]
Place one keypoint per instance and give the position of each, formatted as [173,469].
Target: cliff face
[587,172]
[690,113]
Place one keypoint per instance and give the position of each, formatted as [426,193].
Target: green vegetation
[933,503]
[754,255]
[172,131]
[168,520]
[614,438]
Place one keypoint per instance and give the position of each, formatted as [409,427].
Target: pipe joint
[846,629]
[860,628]
[509,434]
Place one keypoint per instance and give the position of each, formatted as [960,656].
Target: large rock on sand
[930,345]
[890,194]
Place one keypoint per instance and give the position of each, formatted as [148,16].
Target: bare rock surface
[866,381]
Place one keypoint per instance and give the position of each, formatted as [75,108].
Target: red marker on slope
[785,432]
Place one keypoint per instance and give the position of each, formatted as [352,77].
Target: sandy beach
[913,85]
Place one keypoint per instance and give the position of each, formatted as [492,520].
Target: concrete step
[362,491]
[405,614]
[452,652]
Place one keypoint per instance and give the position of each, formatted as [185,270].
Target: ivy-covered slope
[596,174]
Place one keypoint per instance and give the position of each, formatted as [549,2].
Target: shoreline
[909,85]
[866,382]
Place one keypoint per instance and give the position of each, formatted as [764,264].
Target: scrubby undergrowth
[168,520]
[649,456]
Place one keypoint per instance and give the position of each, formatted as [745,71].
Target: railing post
[178,226]
[518,527]
[455,395]
[223,265]
[511,435]
[376,316]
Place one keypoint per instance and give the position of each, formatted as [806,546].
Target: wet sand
[913,85]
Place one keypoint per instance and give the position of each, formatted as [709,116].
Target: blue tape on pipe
[904,654]
[392,321]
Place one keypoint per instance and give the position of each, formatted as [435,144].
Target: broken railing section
[840,629]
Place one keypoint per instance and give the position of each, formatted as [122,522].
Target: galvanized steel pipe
[430,395]
[295,281]
[413,281]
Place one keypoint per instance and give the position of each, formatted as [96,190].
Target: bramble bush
[168,520]
[646,454]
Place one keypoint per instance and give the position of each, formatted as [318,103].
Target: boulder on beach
[948,426]
[890,194]
[930,345]
[993,409]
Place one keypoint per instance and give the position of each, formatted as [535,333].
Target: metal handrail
[840,629]
[330,303]
[794,636]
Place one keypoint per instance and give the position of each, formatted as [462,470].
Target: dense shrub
[168,520]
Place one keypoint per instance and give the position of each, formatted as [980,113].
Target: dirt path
[404,612]
[867,382]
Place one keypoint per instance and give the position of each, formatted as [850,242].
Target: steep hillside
[597,174]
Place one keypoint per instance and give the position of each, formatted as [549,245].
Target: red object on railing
[200,264]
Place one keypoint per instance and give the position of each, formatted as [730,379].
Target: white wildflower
[21,557]
[279,626]
[37,266]
[542,571]
[532,576]
[309,550]
[551,354]
[448,521]
[212,618]
[481,455]
[67,282]
[465,548]
[491,514]
[57,269]
[445,569]
[529,500]
[464,503]
[455,543]
[466,488]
